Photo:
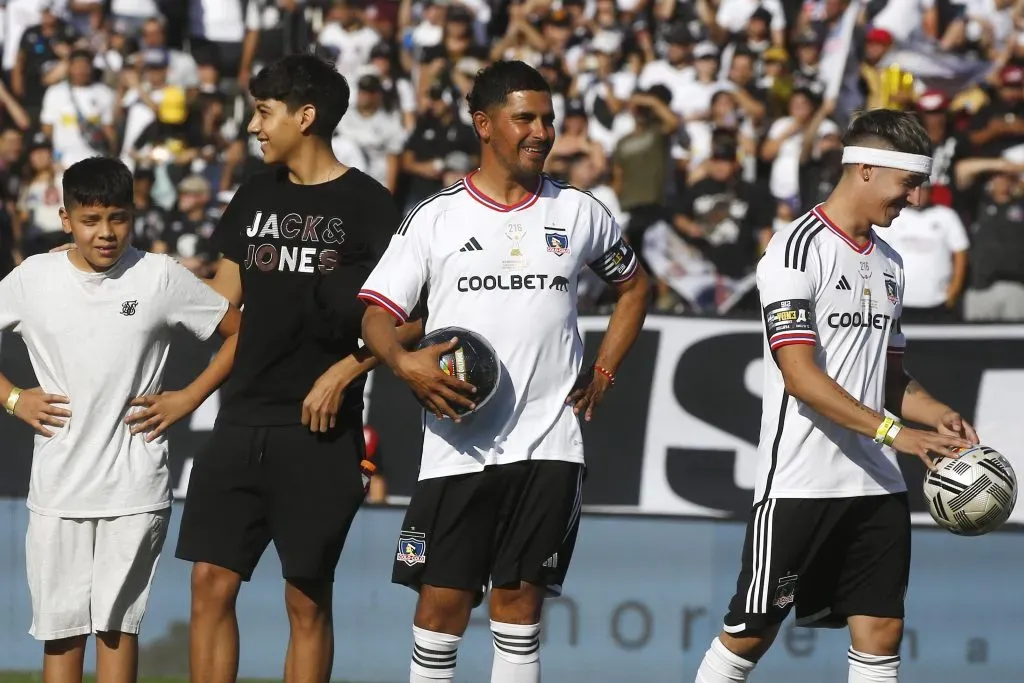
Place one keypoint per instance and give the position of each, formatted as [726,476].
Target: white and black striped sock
[722,665]
[433,656]
[516,653]
[865,668]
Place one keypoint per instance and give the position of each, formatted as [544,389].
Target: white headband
[915,163]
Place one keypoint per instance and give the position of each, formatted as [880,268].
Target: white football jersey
[508,273]
[818,287]
[102,339]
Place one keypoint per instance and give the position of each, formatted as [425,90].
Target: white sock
[866,668]
[433,656]
[721,665]
[516,653]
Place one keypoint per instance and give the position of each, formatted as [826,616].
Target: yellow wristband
[883,429]
[890,435]
[12,400]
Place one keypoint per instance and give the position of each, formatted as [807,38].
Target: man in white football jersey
[97,322]
[829,532]
[499,493]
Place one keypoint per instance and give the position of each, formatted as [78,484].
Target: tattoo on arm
[913,387]
[845,394]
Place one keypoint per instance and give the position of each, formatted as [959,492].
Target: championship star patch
[412,548]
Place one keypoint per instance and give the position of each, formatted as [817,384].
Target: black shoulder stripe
[449,191]
[566,186]
[806,247]
[794,238]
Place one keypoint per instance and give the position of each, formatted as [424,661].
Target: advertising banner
[677,435]
[643,598]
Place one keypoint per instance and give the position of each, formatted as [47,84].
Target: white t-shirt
[784,181]
[733,15]
[902,18]
[701,134]
[378,135]
[927,240]
[134,8]
[509,274]
[693,99]
[96,104]
[352,47]
[673,78]
[1001,20]
[221,21]
[818,287]
[101,339]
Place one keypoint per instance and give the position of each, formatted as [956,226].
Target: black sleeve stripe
[806,248]
[794,238]
[566,186]
[449,191]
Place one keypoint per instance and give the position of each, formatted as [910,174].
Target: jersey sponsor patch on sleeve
[618,264]
[789,322]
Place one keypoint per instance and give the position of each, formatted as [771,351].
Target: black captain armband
[618,264]
[789,321]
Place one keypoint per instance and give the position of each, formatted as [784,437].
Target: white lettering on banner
[670,426]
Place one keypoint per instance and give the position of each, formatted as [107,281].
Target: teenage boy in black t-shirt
[283,462]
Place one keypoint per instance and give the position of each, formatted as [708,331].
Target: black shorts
[253,485]
[831,558]
[507,524]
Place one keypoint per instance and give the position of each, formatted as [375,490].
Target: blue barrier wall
[643,598]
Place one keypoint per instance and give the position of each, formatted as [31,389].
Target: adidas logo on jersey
[472,245]
[843,283]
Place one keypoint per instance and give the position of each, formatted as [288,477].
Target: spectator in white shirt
[78,114]
[220,23]
[348,38]
[181,66]
[733,15]
[675,71]
[399,93]
[130,15]
[933,243]
[904,19]
[784,144]
[692,101]
[378,132]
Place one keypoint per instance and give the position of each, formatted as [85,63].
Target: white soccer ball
[973,494]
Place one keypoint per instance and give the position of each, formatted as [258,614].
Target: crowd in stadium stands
[703,125]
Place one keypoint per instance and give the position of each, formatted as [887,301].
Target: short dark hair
[298,80]
[98,181]
[494,83]
[889,129]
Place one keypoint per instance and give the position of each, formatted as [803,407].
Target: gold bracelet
[12,400]
[883,429]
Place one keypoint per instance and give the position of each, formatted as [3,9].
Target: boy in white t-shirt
[97,322]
